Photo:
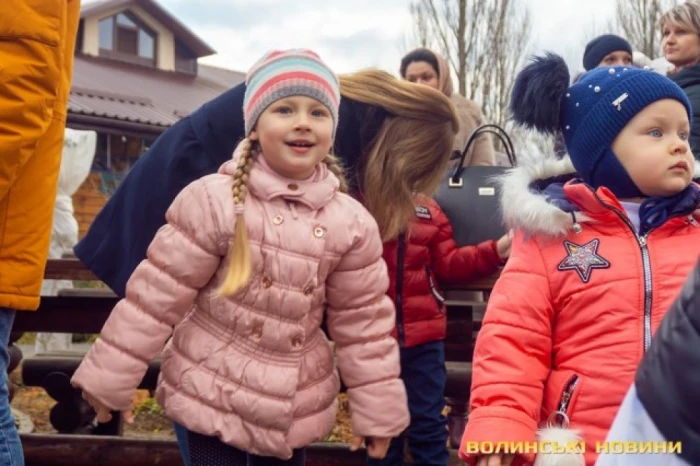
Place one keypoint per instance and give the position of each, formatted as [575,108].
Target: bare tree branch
[484,41]
[638,19]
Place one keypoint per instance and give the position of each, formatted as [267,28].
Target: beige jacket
[470,117]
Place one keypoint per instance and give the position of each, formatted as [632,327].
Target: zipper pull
[642,241]
[565,400]
[692,221]
[576,226]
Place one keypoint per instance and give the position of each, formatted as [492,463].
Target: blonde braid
[332,163]
[239,267]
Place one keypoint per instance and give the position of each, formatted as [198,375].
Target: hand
[497,459]
[104,414]
[376,446]
[504,245]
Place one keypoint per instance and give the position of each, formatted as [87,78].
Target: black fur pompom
[538,91]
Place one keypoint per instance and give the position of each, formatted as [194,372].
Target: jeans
[181,434]
[10,447]
[424,374]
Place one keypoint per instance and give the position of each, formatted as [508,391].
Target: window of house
[116,154]
[124,37]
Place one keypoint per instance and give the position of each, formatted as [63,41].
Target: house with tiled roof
[136,73]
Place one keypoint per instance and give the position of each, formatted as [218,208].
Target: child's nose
[680,146]
[302,121]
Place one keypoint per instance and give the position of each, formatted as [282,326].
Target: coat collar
[264,183]
[525,206]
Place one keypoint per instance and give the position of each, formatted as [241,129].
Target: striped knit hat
[285,73]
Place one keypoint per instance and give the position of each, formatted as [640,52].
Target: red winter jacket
[569,319]
[419,261]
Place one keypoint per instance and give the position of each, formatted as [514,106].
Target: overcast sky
[355,34]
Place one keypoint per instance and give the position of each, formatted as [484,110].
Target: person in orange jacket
[595,264]
[37,40]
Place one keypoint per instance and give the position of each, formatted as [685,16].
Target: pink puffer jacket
[255,369]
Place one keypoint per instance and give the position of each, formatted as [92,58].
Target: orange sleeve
[31,35]
[512,358]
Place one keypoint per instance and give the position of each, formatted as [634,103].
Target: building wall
[165,42]
[88,201]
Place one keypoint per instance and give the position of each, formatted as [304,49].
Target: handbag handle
[454,180]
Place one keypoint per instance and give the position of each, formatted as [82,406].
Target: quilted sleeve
[512,355]
[181,260]
[361,318]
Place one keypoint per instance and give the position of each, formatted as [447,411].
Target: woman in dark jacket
[663,405]
[680,27]
[409,121]
[386,127]
[689,80]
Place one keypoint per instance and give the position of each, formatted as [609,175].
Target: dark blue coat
[194,147]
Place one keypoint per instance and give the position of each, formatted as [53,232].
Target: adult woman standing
[424,66]
[680,27]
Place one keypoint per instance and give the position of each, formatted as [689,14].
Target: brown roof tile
[120,91]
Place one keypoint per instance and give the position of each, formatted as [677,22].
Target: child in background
[420,260]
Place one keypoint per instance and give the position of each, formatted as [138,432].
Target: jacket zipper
[569,389]
[399,289]
[561,416]
[433,289]
[646,266]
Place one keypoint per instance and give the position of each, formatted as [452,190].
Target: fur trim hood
[525,207]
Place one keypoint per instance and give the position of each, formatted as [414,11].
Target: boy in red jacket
[419,260]
[595,265]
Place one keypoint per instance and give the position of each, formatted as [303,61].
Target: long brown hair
[411,150]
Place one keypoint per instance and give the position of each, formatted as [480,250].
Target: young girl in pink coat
[245,269]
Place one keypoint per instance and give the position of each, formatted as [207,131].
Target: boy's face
[654,149]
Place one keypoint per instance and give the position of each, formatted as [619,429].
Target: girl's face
[654,149]
[422,72]
[681,45]
[295,134]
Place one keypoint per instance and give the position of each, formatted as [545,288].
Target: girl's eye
[655,133]
[284,110]
[319,113]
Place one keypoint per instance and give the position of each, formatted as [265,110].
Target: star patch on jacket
[423,212]
[583,259]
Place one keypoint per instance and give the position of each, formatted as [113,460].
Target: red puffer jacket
[419,261]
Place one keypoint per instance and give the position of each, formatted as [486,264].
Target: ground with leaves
[150,421]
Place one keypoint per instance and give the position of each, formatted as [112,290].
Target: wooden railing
[86,310]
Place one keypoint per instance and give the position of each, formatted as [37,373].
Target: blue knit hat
[600,47]
[591,113]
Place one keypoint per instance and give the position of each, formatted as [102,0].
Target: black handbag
[470,196]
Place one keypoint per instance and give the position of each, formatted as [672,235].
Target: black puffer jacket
[668,379]
[689,80]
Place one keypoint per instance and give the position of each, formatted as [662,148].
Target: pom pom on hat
[538,91]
